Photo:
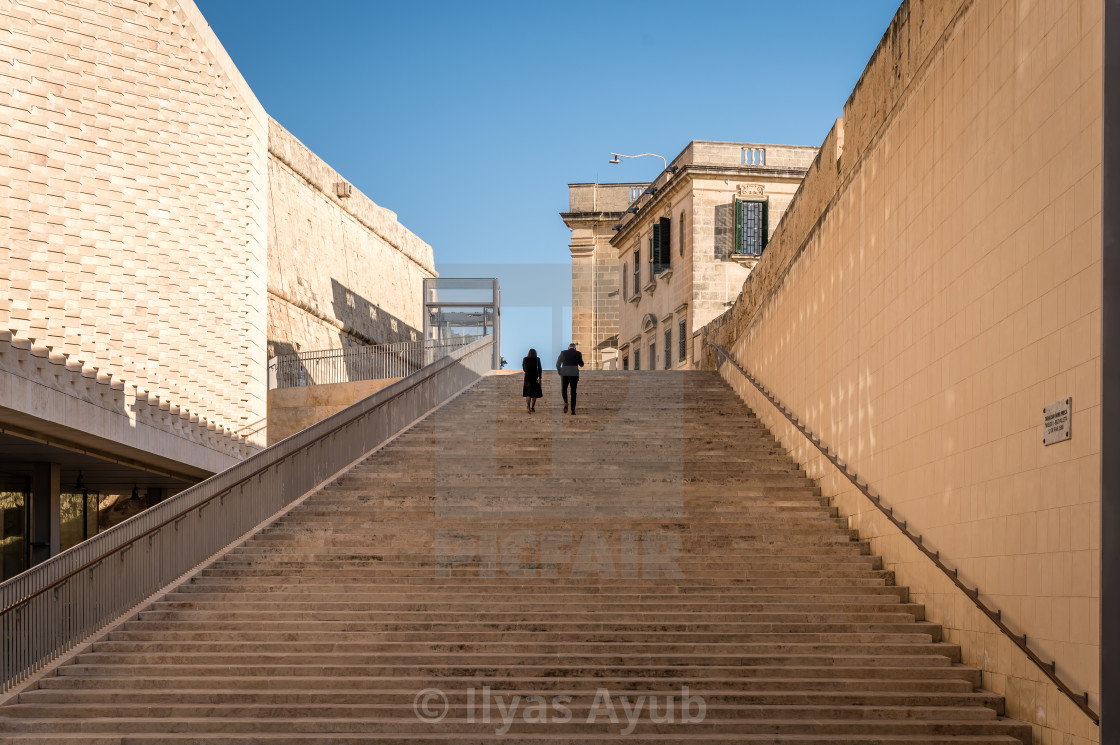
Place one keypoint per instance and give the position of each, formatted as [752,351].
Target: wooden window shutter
[738,247]
[765,225]
[666,231]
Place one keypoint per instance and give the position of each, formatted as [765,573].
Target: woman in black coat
[531,388]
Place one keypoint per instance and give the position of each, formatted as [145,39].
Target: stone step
[888,643]
[398,725]
[454,738]
[785,679]
[992,704]
[760,633]
[396,591]
[746,654]
[460,711]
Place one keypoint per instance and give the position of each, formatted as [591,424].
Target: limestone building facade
[160,236]
[686,243]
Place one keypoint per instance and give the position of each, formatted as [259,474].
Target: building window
[653,355]
[625,294]
[637,359]
[682,352]
[668,347]
[625,362]
[659,247]
[750,227]
[637,282]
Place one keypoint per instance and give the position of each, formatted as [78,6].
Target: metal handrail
[349,364]
[48,609]
[995,615]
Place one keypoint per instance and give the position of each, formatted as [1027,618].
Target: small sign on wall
[1056,421]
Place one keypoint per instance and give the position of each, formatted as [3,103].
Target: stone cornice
[571,219]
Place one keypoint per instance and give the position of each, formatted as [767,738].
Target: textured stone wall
[341,271]
[132,193]
[934,284]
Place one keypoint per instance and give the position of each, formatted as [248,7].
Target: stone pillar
[46,511]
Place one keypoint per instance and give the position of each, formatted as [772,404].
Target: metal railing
[995,615]
[52,607]
[359,363]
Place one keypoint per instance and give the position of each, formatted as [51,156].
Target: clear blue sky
[469,119]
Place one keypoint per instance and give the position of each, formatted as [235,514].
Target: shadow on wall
[359,322]
[367,323]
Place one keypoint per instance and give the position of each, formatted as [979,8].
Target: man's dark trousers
[565,381]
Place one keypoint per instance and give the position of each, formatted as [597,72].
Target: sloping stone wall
[935,283]
[341,271]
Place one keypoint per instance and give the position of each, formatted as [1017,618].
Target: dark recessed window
[659,247]
[683,351]
[668,347]
[680,240]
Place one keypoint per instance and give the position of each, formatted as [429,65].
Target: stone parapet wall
[730,154]
[935,282]
[341,270]
[293,409]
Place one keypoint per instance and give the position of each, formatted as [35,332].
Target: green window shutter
[655,249]
[738,247]
[765,226]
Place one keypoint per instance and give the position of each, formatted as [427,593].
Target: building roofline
[610,183]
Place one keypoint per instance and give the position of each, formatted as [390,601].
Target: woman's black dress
[531,388]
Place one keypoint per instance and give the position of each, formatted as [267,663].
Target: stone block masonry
[133,178]
[161,234]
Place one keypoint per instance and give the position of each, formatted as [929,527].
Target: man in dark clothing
[568,364]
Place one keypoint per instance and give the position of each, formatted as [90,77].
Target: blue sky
[469,119]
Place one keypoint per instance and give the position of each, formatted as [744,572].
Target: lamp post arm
[643,155]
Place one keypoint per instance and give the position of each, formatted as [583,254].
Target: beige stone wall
[132,192]
[935,283]
[341,271]
[293,409]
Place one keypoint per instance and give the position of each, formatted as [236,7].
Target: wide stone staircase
[655,569]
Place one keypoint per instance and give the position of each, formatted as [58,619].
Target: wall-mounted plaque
[1056,421]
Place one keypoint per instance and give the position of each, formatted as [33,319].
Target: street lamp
[615,158]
